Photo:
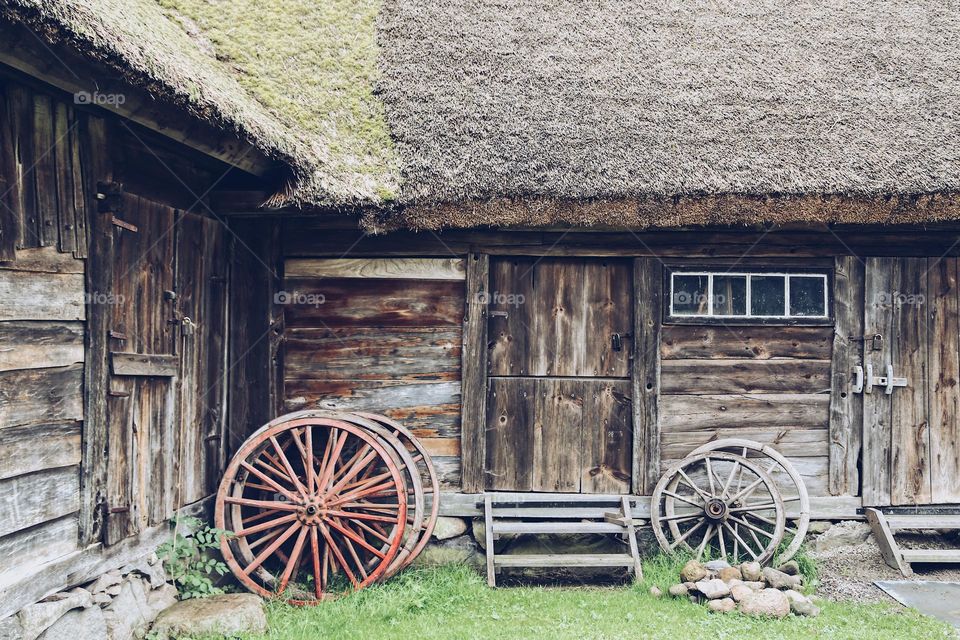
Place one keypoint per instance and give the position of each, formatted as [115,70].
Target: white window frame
[786,275]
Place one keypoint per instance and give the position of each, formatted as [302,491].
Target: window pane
[690,295]
[767,295]
[806,296]
[729,295]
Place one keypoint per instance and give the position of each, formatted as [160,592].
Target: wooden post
[877,318]
[93,468]
[474,375]
[645,375]
[846,408]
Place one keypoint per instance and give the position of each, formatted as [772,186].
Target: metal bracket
[858,383]
[866,383]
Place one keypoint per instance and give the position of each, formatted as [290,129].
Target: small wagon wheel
[720,503]
[316,487]
[427,472]
[789,482]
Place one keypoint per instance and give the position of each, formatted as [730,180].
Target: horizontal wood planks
[40,543]
[35,498]
[378,335]
[40,345]
[769,384]
[35,447]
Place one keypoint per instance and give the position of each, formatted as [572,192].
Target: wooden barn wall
[382,336]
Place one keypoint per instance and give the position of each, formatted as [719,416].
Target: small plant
[187,557]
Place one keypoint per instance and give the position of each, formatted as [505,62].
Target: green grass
[454,603]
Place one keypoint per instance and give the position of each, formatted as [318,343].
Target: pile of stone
[119,605]
[748,588]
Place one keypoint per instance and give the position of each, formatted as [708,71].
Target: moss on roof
[314,66]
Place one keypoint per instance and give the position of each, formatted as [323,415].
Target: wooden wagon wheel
[718,503]
[789,482]
[427,472]
[340,498]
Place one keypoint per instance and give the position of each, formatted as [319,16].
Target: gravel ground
[848,573]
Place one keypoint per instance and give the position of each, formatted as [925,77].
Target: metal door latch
[188,326]
[616,340]
[865,382]
[875,341]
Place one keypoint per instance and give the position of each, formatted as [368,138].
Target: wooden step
[922,521]
[565,560]
[557,527]
[556,513]
[931,555]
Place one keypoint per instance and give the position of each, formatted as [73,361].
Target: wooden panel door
[558,406]
[911,435]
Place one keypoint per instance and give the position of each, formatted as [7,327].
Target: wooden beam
[474,381]
[846,408]
[645,375]
[139,364]
[391,268]
[76,76]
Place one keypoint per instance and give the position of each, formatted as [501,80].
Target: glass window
[767,295]
[729,295]
[807,296]
[749,295]
[690,295]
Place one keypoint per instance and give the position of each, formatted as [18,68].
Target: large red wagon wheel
[314,492]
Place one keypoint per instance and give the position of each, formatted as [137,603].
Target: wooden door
[911,436]
[558,404]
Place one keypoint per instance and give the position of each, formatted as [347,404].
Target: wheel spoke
[263,504]
[327,472]
[266,464]
[733,472]
[677,496]
[288,466]
[746,491]
[740,541]
[264,526]
[751,527]
[723,546]
[686,478]
[270,481]
[318,581]
[706,539]
[681,517]
[363,516]
[751,507]
[360,493]
[294,560]
[356,538]
[713,490]
[686,535]
[339,556]
[270,549]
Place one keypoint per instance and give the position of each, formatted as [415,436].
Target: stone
[36,618]
[479,531]
[678,590]
[769,602]
[716,565]
[728,574]
[462,550]
[107,580]
[693,571]
[740,591]
[801,605]
[447,528]
[113,590]
[78,624]
[755,586]
[655,591]
[163,598]
[153,572]
[843,534]
[780,580]
[102,599]
[713,589]
[691,586]
[816,527]
[791,568]
[222,615]
[723,605]
[751,571]
[132,611]
[10,629]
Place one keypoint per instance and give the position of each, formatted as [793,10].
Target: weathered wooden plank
[30,295]
[557,421]
[696,413]
[11,209]
[448,471]
[606,447]
[39,345]
[346,302]
[646,373]
[910,448]
[36,545]
[509,435]
[878,318]
[356,353]
[36,396]
[474,400]
[30,448]
[790,442]
[744,376]
[701,342]
[390,268]
[449,447]
[510,316]
[20,105]
[943,388]
[143,364]
[44,260]
[63,166]
[34,498]
[44,168]
[846,411]
[79,188]
[429,409]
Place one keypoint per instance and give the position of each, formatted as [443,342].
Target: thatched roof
[465,112]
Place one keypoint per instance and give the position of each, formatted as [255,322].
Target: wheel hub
[311,513]
[716,509]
